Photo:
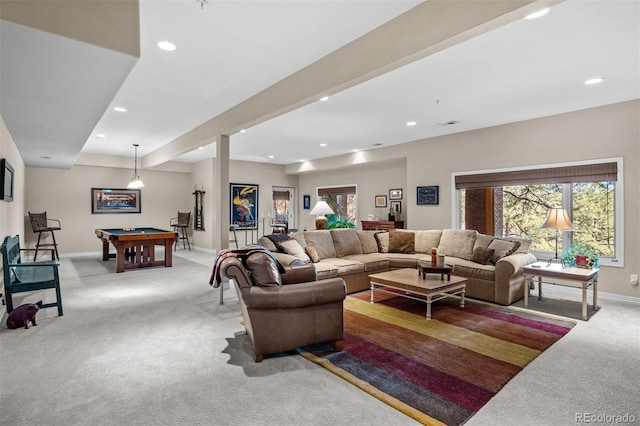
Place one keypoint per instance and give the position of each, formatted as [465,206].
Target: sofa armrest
[323,292]
[299,274]
[512,264]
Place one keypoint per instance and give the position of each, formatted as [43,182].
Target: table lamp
[558,220]
[320,209]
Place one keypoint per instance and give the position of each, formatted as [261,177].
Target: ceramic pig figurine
[21,315]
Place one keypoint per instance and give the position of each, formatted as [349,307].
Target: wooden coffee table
[413,284]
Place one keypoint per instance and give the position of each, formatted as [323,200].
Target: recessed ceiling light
[302,161]
[411,123]
[594,80]
[166,45]
[120,109]
[324,98]
[100,136]
[243,130]
[45,157]
[270,156]
[538,14]
[323,144]
[200,147]
[355,150]
[448,123]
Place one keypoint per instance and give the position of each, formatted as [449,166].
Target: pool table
[135,247]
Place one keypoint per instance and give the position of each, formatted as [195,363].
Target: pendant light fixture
[135,182]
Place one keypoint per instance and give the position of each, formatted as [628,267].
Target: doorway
[283,209]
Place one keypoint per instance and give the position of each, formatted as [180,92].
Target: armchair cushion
[263,270]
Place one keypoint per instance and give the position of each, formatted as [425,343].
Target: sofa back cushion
[457,243]
[368,242]
[319,245]
[346,242]
[426,240]
[401,241]
[483,241]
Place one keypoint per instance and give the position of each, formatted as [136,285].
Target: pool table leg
[168,255]
[105,250]
[120,257]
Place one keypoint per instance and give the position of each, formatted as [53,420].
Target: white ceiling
[229,51]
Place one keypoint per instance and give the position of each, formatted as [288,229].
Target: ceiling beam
[430,27]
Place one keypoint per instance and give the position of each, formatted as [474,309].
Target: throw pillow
[346,242]
[401,242]
[294,248]
[276,239]
[313,253]
[263,270]
[267,243]
[482,255]
[502,248]
[368,241]
[482,240]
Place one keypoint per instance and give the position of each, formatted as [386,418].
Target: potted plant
[581,255]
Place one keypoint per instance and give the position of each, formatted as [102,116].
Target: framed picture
[244,205]
[395,194]
[396,206]
[428,195]
[107,200]
[306,202]
[6,180]
[381,201]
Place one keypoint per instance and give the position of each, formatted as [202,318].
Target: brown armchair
[299,312]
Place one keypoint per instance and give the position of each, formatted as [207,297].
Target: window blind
[600,172]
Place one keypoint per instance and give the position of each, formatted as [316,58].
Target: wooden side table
[569,277]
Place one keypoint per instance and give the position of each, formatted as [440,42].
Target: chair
[41,224]
[22,276]
[278,318]
[181,224]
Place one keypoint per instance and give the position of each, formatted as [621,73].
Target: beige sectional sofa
[492,266]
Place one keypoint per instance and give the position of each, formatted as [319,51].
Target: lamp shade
[558,218]
[321,208]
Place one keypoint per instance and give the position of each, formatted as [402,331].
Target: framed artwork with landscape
[395,194]
[107,200]
[381,201]
[244,205]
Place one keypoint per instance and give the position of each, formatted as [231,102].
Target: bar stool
[40,224]
[181,223]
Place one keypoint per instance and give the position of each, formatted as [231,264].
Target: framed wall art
[244,205]
[428,195]
[107,200]
[396,206]
[395,194]
[381,201]
[306,202]
[6,180]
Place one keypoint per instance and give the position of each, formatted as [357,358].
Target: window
[516,202]
[343,201]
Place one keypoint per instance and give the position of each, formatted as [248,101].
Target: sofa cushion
[383,241]
[263,270]
[468,269]
[483,240]
[346,242]
[401,241]
[404,260]
[482,255]
[426,240]
[294,248]
[345,266]
[325,270]
[371,261]
[319,245]
[457,242]
[502,248]
[299,237]
[524,243]
[368,241]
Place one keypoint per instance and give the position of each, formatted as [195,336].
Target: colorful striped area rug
[438,371]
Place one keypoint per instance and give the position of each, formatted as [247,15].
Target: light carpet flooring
[154,347]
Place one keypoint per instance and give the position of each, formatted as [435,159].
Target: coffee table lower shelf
[413,285]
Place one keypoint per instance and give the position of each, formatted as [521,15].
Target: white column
[221,193]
